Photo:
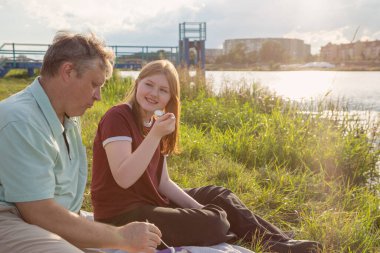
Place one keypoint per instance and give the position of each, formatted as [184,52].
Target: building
[360,51]
[296,49]
[212,54]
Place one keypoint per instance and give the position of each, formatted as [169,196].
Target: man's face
[84,90]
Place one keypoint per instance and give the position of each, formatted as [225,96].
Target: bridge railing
[145,53]
[16,52]
[29,56]
[2,61]
[21,52]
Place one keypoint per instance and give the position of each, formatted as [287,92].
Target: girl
[131,182]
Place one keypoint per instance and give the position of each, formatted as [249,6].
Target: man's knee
[18,236]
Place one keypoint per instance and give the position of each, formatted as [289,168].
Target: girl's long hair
[165,67]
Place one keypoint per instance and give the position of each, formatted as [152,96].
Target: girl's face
[153,92]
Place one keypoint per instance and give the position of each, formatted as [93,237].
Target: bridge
[29,56]
[190,52]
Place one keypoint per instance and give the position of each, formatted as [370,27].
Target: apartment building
[360,51]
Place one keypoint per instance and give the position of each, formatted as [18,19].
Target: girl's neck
[148,123]
[146,118]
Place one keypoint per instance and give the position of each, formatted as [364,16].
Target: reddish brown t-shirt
[108,198]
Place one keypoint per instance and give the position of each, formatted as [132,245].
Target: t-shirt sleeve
[27,164]
[115,126]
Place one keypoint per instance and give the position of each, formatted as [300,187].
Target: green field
[314,174]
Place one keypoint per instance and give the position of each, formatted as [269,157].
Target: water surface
[360,88]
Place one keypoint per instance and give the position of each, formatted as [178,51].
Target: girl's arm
[127,167]
[172,191]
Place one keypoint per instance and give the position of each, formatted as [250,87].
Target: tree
[237,54]
[272,52]
[252,57]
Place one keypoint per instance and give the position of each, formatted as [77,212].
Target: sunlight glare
[302,84]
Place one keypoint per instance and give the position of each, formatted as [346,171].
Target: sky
[155,22]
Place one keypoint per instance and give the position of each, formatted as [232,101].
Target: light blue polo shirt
[35,162]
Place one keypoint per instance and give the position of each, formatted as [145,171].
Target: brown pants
[223,219]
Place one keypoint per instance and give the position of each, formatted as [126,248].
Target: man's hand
[140,237]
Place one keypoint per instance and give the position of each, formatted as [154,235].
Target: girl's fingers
[166,116]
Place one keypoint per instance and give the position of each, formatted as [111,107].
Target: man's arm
[133,237]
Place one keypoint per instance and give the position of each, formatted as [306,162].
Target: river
[361,89]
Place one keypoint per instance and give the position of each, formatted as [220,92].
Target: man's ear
[67,71]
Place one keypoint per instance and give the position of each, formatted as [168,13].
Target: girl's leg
[244,223]
[182,226]
[249,226]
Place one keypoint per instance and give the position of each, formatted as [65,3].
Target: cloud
[3,3]
[376,35]
[340,35]
[146,22]
[369,35]
[103,16]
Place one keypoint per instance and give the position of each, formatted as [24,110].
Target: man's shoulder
[21,107]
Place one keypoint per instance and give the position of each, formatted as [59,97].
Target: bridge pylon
[192,47]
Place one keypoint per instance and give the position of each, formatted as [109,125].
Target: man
[43,166]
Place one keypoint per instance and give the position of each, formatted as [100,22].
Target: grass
[311,173]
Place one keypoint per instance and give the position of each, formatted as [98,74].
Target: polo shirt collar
[69,123]
[46,108]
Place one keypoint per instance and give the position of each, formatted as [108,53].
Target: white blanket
[219,248]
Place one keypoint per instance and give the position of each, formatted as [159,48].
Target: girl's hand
[164,125]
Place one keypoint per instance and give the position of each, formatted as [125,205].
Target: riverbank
[289,67]
[305,173]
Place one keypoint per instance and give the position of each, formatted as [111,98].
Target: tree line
[271,52]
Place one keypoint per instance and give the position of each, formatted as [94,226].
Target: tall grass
[311,173]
